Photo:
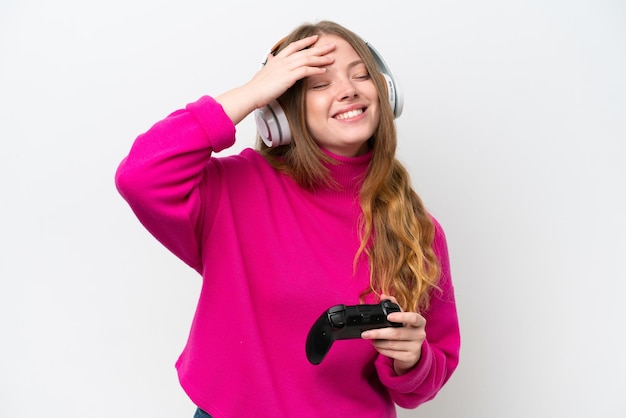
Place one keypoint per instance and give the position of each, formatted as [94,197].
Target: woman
[281,233]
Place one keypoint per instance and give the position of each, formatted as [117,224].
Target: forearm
[168,157]
[439,354]
[238,103]
[160,176]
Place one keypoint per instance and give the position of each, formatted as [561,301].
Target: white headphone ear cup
[272,125]
[395,97]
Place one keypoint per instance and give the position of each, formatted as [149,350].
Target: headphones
[271,121]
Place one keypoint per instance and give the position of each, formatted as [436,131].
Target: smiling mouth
[350,114]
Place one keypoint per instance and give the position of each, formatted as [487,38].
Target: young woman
[282,233]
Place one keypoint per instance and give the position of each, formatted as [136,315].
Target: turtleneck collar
[349,172]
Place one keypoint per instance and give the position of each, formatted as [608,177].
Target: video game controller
[341,322]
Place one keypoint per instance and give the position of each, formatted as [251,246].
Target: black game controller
[342,322]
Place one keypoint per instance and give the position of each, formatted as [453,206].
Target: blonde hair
[396,231]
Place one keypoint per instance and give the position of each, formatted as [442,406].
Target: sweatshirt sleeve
[159,177]
[440,350]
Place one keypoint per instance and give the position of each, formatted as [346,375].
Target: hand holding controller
[342,322]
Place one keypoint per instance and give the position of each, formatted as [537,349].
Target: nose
[347,90]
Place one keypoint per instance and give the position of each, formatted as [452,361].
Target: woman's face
[342,110]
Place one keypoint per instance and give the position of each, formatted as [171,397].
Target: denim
[201,414]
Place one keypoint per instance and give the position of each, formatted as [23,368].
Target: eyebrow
[350,66]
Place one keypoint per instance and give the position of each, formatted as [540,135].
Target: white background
[513,129]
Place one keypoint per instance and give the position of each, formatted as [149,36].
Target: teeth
[349,114]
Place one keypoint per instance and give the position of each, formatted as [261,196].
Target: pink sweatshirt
[273,257]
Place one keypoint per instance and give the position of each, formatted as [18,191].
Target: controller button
[336,320]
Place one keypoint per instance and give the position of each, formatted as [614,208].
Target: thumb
[391,298]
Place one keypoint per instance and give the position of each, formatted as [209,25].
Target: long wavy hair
[396,232]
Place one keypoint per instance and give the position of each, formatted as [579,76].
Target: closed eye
[319,86]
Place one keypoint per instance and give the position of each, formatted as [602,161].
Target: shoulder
[440,235]
[440,245]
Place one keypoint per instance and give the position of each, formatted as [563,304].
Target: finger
[298,45]
[412,319]
[388,333]
[312,53]
[395,345]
